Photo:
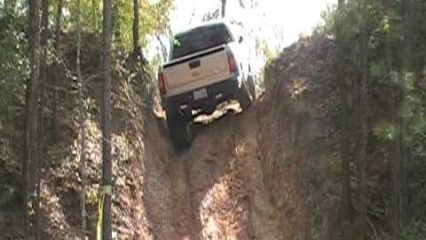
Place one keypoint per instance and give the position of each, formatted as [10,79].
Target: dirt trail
[215,189]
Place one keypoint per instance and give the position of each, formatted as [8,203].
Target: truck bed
[197,70]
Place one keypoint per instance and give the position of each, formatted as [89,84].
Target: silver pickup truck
[206,68]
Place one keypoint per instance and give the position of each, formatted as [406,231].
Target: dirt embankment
[300,139]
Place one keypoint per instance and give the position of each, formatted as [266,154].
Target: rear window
[199,39]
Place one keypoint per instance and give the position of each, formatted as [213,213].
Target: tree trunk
[82,127]
[345,157]
[223,8]
[363,141]
[43,82]
[83,175]
[395,152]
[136,45]
[31,114]
[344,125]
[44,38]
[404,121]
[401,155]
[58,26]
[106,120]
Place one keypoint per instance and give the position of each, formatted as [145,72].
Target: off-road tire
[252,87]
[179,129]
[243,97]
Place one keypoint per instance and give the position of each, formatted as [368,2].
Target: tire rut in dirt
[219,195]
[184,221]
[215,188]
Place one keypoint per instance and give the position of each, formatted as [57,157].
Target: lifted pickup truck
[204,70]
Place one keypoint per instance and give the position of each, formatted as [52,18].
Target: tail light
[161,83]
[232,64]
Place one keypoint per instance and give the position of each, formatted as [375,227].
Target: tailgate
[195,71]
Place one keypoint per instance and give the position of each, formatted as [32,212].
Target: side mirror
[240,39]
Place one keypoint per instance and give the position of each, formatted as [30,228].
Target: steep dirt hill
[251,175]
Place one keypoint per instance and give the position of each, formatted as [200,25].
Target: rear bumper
[216,94]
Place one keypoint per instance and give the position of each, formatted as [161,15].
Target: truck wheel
[243,97]
[252,87]
[179,129]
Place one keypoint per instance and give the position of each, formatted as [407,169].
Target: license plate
[200,94]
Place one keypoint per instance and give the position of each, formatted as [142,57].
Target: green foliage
[385,131]
[13,62]
[154,18]
[415,231]
[92,195]
[396,90]
[91,14]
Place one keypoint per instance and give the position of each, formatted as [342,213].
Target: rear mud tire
[180,132]
[244,98]
[252,87]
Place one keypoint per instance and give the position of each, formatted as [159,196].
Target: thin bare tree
[344,125]
[58,26]
[363,136]
[31,115]
[82,127]
[42,101]
[223,12]
[136,43]
[106,121]
[399,168]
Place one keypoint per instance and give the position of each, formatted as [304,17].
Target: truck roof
[204,24]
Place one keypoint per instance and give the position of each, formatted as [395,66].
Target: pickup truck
[205,69]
